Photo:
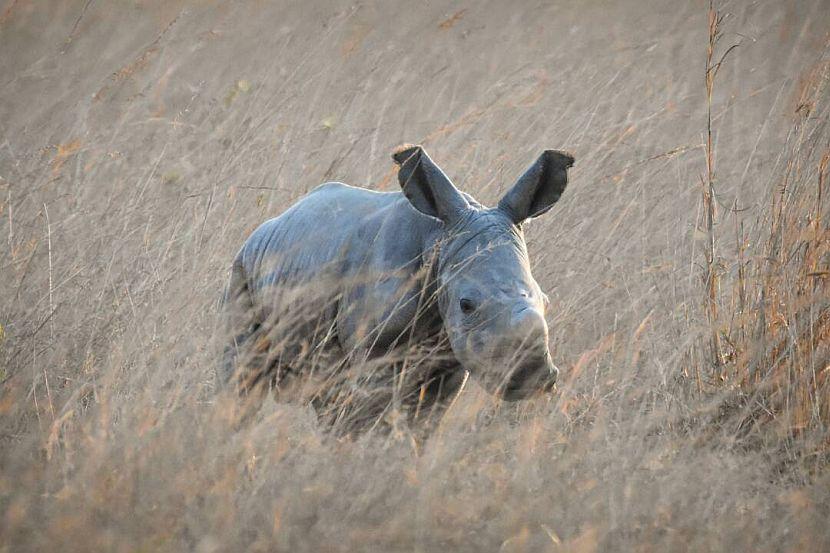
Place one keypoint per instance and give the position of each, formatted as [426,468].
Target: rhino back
[311,241]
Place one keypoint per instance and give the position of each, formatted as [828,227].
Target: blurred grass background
[142,141]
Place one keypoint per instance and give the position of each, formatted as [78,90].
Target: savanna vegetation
[688,267]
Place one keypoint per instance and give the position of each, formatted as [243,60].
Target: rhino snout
[552,378]
[528,324]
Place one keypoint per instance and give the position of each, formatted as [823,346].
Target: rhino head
[492,308]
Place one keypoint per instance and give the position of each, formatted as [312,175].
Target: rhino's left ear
[539,188]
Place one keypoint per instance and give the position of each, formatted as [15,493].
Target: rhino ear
[539,188]
[426,186]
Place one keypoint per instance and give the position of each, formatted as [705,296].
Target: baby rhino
[367,273]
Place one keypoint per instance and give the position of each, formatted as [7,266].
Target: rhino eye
[467,306]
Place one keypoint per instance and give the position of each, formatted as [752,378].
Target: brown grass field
[688,265]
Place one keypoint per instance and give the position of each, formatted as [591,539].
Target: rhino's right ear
[427,187]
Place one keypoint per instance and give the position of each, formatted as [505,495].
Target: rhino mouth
[530,378]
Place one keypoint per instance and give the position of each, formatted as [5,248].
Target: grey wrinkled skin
[364,272]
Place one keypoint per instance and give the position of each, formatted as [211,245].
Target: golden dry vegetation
[688,266]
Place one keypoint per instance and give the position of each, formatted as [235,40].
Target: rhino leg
[246,357]
[239,323]
[248,369]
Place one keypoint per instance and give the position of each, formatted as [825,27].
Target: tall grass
[140,146]
[777,327]
[768,327]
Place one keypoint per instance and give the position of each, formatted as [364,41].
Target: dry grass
[140,145]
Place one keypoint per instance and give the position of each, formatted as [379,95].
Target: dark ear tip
[404,152]
[560,158]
